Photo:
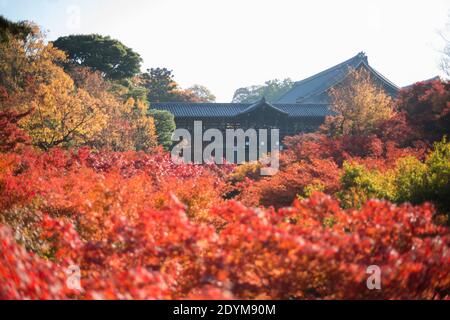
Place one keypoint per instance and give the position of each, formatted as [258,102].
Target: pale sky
[229,44]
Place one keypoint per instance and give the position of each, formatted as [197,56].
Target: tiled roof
[213,110]
[307,98]
[306,110]
[262,103]
[192,110]
[312,90]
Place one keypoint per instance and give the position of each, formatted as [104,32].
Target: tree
[109,56]
[160,84]
[427,109]
[358,185]
[360,106]
[445,61]
[63,114]
[71,107]
[162,87]
[127,125]
[202,92]
[165,126]
[33,80]
[271,91]
[409,180]
[9,29]
[132,87]
[23,65]
[128,128]
[418,182]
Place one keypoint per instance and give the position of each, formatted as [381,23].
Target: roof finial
[362,55]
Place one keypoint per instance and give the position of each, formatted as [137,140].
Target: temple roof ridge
[313,89]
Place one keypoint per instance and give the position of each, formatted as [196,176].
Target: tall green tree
[165,126]
[109,56]
[162,87]
[271,91]
[160,84]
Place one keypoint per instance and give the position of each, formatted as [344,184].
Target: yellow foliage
[128,127]
[360,105]
[247,169]
[63,114]
[79,108]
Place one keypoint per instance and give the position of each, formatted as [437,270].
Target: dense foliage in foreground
[101,212]
[140,226]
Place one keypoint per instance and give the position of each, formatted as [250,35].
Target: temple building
[302,109]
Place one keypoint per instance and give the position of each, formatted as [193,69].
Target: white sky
[229,44]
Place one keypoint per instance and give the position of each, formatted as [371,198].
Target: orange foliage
[142,227]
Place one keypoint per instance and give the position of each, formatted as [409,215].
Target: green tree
[411,180]
[9,29]
[358,185]
[160,84]
[131,88]
[437,183]
[271,91]
[162,87]
[109,56]
[429,181]
[165,126]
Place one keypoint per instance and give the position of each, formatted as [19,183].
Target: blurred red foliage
[309,251]
[11,136]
